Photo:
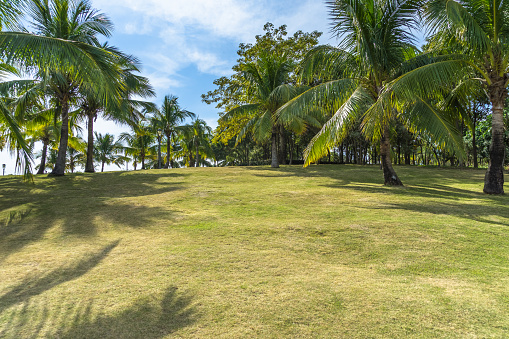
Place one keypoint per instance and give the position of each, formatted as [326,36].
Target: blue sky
[185,45]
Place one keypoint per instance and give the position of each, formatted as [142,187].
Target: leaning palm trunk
[59,168]
[390,176]
[42,166]
[275,162]
[494,178]
[89,167]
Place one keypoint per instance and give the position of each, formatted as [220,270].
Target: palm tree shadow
[32,286]
[77,202]
[442,200]
[143,320]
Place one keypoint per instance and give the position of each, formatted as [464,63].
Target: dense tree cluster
[375,98]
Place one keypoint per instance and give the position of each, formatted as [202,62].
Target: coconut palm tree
[139,140]
[167,119]
[479,32]
[118,106]
[66,53]
[269,88]
[107,150]
[196,141]
[376,46]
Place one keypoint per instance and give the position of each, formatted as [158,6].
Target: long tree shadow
[143,320]
[435,186]
[77,202]
[34,285]
[442,200]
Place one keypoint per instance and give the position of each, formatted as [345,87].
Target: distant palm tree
[168,118]
[138,141]
[107,151]
[197,139]
[268,79]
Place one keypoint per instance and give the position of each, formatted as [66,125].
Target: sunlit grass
[325,251]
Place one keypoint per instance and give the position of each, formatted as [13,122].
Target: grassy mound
[325,251]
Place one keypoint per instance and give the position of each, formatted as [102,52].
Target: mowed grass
[321,252]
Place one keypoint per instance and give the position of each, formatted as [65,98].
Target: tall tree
[376,46]
[168,118]
[197,138]
[107,150]
[480,30]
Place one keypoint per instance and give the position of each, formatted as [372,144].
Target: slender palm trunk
[282,146]
[89,166]
[102,167]
[159,152]
[274,163]
[474,143]
[42,166]
[59,168]
[494,178]
[168,151]
[197,163]
[390,176]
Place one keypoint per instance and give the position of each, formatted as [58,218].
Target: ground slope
[325,251]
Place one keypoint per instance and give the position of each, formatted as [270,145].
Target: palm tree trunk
[390,176]
[89,166]
[494,178]
[197,163]
[282,146]
[102,167]
[42,166]
[168,151]
[474,143]
[59,168]
[274,163]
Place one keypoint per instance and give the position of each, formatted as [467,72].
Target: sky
[185,45]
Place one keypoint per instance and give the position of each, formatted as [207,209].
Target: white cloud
[195,32]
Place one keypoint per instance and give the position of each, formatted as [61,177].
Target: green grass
[320,252]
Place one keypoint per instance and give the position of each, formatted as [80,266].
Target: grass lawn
[323,252]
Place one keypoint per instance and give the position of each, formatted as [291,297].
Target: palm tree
[197,141]
[167,119]
[66,52]
[9,11]
[118,106]
[376,46]
[479,31]
[45,132]
[268,90]
[107,150]
[139,140]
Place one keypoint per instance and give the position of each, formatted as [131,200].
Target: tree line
[374,98]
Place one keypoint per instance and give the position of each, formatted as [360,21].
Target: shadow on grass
[76,202]
[433,187]
[34,285]
[143,320]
